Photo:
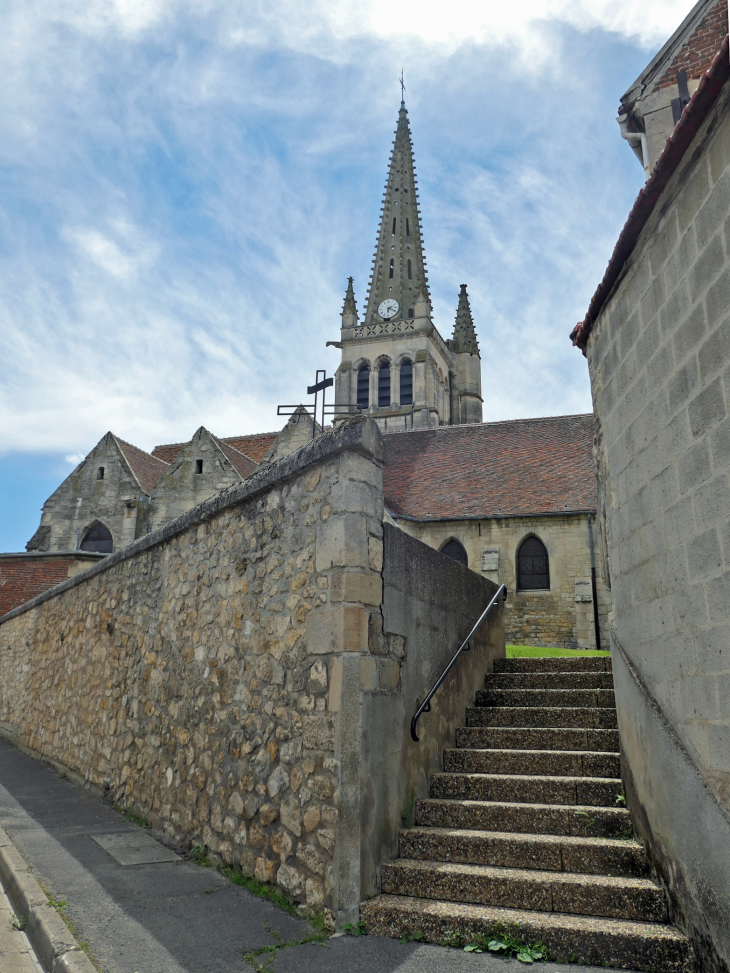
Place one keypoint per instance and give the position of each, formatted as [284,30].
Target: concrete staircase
[523,828]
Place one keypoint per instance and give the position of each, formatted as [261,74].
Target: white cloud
[74,459]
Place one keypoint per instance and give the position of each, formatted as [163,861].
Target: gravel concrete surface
[176,917]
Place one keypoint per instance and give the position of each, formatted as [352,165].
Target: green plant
[200,855]
[621,800]
[260,888]
[507,941]
[359,930]
[18,923]
[451,938]
[63,775]
[589,821]
[418,937]
[56,904]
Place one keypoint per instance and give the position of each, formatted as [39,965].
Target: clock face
[388,309]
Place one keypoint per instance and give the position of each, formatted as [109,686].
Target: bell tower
[395,365]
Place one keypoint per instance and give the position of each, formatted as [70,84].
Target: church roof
[523,467]
[399,237]
[253,447]
[241,463]
[145,466]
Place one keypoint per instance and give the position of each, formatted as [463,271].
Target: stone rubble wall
[196,675]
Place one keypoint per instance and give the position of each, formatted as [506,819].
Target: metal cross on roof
[402,87]
[322,383]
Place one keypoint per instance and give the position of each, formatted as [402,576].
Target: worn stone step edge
[509,849]
[50,937]
[558,763]
[537,738]
[528,789]
[546,697]
[609,897]
[549,717]
[618,943]
[596,663]
[523,818]
[548,680]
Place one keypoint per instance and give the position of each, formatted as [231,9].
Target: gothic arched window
[99,539]
[363,387]
[406,383]
[391,269]
[384,385]
[456,552]
[533,567]
[409,270]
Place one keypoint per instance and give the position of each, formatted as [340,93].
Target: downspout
[634,139]
[593,586]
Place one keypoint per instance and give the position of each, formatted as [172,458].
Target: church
[514,501]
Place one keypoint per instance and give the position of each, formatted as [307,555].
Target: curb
[56,949]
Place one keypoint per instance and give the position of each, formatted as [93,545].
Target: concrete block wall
[659,358]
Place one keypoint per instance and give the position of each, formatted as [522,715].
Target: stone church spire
[399,268]
[349,308]
[464,339]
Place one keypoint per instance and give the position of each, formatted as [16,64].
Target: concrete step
[549,680]
[527,738]
[525,818]
[588,791]
[550,853]
[601,942]
[545,697]
[558,763]
[597,663]
[581,717]
[516,888]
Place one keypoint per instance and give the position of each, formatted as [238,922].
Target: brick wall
[23,576]
[659,358]
[700,48]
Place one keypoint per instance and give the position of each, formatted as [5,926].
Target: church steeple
[399,268]
[464,339]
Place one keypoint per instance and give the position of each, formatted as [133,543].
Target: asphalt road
[178,917]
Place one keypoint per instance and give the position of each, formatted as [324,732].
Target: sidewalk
[175,916]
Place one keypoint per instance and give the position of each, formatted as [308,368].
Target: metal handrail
[425,706]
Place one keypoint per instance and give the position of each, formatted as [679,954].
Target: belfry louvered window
[533,568]
[363,387]
[391,269]
[408,229]
[384,385]
[394,226]
[406,383]
[409,270]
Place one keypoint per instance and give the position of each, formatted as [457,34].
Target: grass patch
[259,888]
[542,652]
[18,923]
[130,816]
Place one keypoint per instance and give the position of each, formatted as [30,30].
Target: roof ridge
[495,422]
[694,114]
[140,450]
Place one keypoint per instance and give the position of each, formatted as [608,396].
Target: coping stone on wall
[358,434]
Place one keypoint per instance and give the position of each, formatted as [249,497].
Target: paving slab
[135,848]
[173,916]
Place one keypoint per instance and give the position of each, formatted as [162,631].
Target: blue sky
[186,187]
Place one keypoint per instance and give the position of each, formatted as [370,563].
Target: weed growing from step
[18,922]
[358,930]
[506,941]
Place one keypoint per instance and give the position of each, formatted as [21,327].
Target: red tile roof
[23,576]
[693,116]
[524,467]
[243,465]
[147,468]
[254,447]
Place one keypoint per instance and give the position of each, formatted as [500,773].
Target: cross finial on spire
[402,89]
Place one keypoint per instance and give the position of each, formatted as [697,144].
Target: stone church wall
[217,674]
[562,616]
[658,357]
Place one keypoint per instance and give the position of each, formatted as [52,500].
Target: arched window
[406,383]
[384,385]
[98,539]
[410,312]
[408,229]
[391,269]
[394,226]
[409,270]
[456,552]
[363,387]
[533,569]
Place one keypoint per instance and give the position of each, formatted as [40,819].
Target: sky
[185,186]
